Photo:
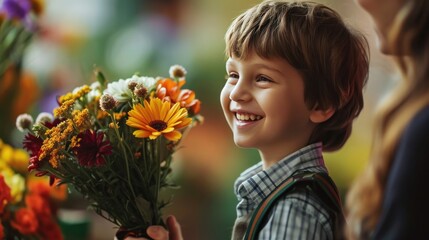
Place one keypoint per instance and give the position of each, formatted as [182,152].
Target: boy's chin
[242,144]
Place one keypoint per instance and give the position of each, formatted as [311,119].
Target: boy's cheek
[224,98]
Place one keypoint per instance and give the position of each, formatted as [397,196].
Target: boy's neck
[270,157]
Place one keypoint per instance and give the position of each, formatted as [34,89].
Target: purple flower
[16,9]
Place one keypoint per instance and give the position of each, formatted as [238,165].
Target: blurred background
[148,36]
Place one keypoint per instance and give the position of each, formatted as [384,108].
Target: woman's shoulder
[417,129]
[411,153]
[422,117]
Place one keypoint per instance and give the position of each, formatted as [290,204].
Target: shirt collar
[255,184]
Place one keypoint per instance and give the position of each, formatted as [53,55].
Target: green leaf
[101,78]
[145,208]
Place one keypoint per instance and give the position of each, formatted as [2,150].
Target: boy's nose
[240,92]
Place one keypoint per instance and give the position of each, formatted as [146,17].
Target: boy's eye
[232,78]
[263,79]
[233,75]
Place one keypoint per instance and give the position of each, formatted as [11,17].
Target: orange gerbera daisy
[157,118]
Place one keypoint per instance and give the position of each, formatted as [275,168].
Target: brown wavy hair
[409,41]
[331,57]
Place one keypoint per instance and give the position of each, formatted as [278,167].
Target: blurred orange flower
[27,90]
[25,221]
[38,6]
[41,187]
[40,207]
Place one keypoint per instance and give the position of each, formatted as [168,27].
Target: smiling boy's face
[263,103]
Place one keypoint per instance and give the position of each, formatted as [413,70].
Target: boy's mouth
[247,117]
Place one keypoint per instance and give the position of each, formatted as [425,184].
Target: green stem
[157,151]
[127,165]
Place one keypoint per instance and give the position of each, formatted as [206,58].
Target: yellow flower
[19,161]
[5,169]
[16,184]
[6,153]
[55,142]
[81,119]
[157,118]
[14,158]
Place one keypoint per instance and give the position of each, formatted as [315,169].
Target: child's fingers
[160,233]
[175,229]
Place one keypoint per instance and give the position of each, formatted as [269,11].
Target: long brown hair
[409,41]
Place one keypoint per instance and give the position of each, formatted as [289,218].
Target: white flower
[146,82]
[24,121]
[119,90]
[177,71]
[95,91]
[44,117]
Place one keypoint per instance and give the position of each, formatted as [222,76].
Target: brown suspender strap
[322,181]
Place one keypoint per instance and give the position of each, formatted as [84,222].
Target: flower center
[158,125]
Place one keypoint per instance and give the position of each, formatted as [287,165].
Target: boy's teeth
[247,117]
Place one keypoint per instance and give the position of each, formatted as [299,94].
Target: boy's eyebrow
[269,68]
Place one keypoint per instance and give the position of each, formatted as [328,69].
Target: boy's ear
[320,115]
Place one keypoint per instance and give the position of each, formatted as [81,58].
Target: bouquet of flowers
[113,142]
[27,204]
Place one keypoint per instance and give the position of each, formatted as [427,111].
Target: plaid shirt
[297,215]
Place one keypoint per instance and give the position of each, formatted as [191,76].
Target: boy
[295,79]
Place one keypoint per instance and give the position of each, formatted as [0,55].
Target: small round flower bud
[24,121]
[107,102]
[44,117]
[177,71]
[132,85]
[140,91]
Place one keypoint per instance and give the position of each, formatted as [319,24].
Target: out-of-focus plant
[18,25]
[27,204]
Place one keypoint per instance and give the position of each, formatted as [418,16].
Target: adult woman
[390,200]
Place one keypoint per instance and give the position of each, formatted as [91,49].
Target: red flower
[32,144]
[25,221]
[5,196]
[40,205]
[34,164]
[92,148]
[50,230]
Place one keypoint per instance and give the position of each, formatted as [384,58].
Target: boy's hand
[160,233]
